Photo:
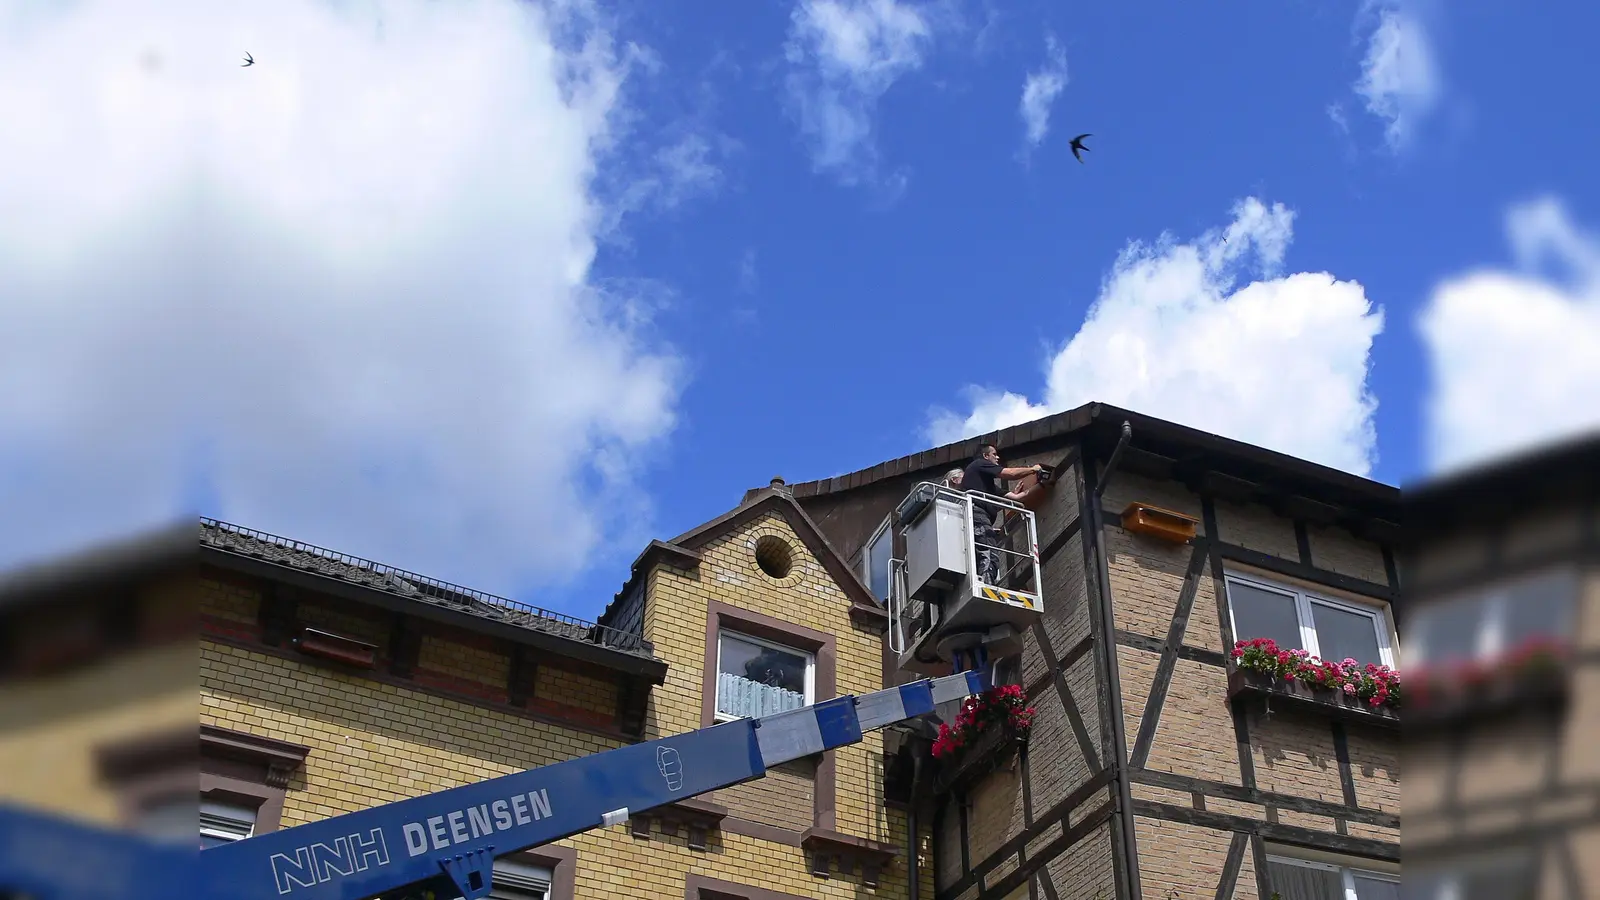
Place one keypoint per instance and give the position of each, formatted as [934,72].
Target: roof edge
[1078,419]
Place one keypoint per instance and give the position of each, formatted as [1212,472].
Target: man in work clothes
[983,476]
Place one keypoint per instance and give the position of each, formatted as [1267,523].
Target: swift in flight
[1077,146]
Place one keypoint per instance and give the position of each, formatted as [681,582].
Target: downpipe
[1119,737]
[919,750]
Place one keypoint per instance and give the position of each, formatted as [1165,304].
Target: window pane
[1447,631]
[169,819]
[878,565]
[1342,634]
[1259,613]
[1539,607]
[1305,883]
[1512,881]
[755,680]
[1376,889]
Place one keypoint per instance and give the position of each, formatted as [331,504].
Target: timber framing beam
[1157,699]
[1060,813]
[1288,834]
[1223,791]
[1293,569]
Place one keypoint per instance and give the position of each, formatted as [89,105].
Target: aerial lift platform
[945,609]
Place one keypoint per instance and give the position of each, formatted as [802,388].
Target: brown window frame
[562,863]
[141,771]
[824,651]
[250,770]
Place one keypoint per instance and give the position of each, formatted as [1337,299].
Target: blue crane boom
[449,839]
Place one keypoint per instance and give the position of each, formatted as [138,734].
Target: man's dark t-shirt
[982,477]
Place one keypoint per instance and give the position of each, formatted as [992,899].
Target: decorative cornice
[825,847]
[698,818]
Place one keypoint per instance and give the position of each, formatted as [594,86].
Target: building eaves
[1521,484]
[1179,446]
[150,554]
[228,544]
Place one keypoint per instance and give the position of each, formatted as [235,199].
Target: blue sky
[500,291]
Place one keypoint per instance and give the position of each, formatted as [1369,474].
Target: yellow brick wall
[374,743]
[675,620]
[53,727]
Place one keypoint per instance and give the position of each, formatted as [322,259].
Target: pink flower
[1350,689]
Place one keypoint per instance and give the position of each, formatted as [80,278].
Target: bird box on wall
[1034,488]
[1161,524]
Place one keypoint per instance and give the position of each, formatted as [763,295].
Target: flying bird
[1078,147]
[248,61]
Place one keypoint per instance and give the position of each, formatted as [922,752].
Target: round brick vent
[774,556]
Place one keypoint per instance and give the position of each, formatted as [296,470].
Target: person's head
[989,451]
[953,478]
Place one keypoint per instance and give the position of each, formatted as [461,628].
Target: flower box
[986,734]
[991,750]
[1533,678]
[1270,690]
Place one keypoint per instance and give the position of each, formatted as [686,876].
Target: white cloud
[1516,354]
[1281,362]
[351,283]
[844,55]
[1400,79]
[1039,93]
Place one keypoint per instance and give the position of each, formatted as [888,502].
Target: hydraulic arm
[448,840]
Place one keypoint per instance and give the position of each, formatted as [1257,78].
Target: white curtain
[738,696]
[1305,883]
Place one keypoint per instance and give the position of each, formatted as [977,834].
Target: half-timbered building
[1155,766]
[1502,795]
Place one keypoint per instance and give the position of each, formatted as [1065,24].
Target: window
[1506,876]
[1302,879]
[223,822]
[875,561]
[520,881]
[1486,622]
[1334,630]
[758,678]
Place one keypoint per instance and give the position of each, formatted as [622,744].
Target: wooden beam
[1289,834]
[405,645]
[1224,791]
[277,613]
[1065,840]
[1294,569]
[1060,812]
[1060,540]
[1302,542]
[1341,751]
[1149,644]
[1169,657]
[1232,865]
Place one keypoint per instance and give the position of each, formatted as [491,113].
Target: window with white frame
[875,561]
[1294,878]
[1485,622]
[520,881]
[224,821]
[1296,618]
[757,677]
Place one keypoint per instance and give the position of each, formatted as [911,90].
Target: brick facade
[1215,786]
[1503,785]
[374,737]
